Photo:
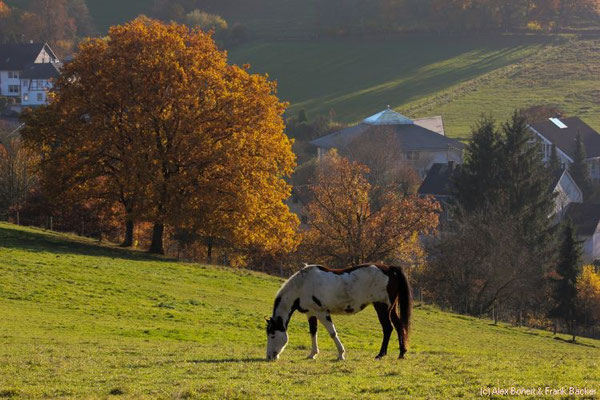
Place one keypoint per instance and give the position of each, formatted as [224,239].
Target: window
[13,88]
[13,75]
[40,97]
[26,97]
[412,155]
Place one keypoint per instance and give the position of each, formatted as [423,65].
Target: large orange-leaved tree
[153,117]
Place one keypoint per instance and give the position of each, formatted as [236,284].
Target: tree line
[356,17]
[503,252]
[60,22]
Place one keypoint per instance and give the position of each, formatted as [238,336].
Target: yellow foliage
[588,293]
[176,133]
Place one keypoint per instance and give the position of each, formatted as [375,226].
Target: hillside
[457,77]
[83,320]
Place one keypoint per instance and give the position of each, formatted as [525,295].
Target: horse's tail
[404,302]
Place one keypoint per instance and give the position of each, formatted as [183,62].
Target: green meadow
[88,320]
[458,77]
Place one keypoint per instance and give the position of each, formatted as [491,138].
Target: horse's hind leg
[313,325]
[399,329]
[383,313]
[328,323]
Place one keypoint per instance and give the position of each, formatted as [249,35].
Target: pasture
[458,77]
[82,320]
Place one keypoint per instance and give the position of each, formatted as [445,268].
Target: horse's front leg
[313,325]
[328,323]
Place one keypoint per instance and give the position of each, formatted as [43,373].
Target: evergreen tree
[477,184]
[529,198]
[554,164]
[526,181]
[579,169]
[564,288]
[302,116]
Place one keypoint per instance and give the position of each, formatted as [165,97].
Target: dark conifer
[564,281]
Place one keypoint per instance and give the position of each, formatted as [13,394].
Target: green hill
[458,77]
[80,320]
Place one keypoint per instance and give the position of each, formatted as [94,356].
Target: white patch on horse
[320,292]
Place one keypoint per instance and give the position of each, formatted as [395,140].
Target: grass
[457,77]
[81,320]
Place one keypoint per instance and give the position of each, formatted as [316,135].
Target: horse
[319,292]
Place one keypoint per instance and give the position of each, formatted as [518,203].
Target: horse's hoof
[312,356]
[401,356]
[380,356]
[341,357]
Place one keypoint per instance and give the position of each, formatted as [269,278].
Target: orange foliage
[346,228]
[153,117]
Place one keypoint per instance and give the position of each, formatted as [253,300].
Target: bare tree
[382,153]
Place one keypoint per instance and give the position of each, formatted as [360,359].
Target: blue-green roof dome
[388,117]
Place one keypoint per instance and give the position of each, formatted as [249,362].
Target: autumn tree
[588,296]
[346,228]
[17,173]
[155,113]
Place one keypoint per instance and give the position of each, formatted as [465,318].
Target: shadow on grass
[51,242]
[229,360]
[573,342]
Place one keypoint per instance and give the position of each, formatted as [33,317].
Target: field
[80,320]
[455,76]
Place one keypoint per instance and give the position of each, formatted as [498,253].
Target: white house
[36,80]
[586,219]
[23,61]
[562,133]
[438,183]
[567,192]
[421,142]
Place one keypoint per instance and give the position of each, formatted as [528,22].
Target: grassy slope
[80,320]
[458,77]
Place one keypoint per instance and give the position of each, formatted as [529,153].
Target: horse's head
[277,338]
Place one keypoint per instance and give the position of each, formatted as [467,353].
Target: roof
[584,216]
[387,117]
[410,137]
[14,57]
[438,180]
[564,138]
[435,124]
[41,71]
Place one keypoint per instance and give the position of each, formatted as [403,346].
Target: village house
[422,143]
[586,220]
[438,183]
[563,133]
[26,71]
[568,203]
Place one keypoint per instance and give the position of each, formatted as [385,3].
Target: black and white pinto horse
[319,292]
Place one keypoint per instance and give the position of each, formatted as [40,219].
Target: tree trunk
[129,226]
[209,248]
[156,247]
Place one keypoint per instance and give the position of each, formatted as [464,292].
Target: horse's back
[345,291]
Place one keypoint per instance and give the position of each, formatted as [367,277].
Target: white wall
[34,97]
[5,82]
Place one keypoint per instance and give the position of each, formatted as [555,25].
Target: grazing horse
[319,292]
